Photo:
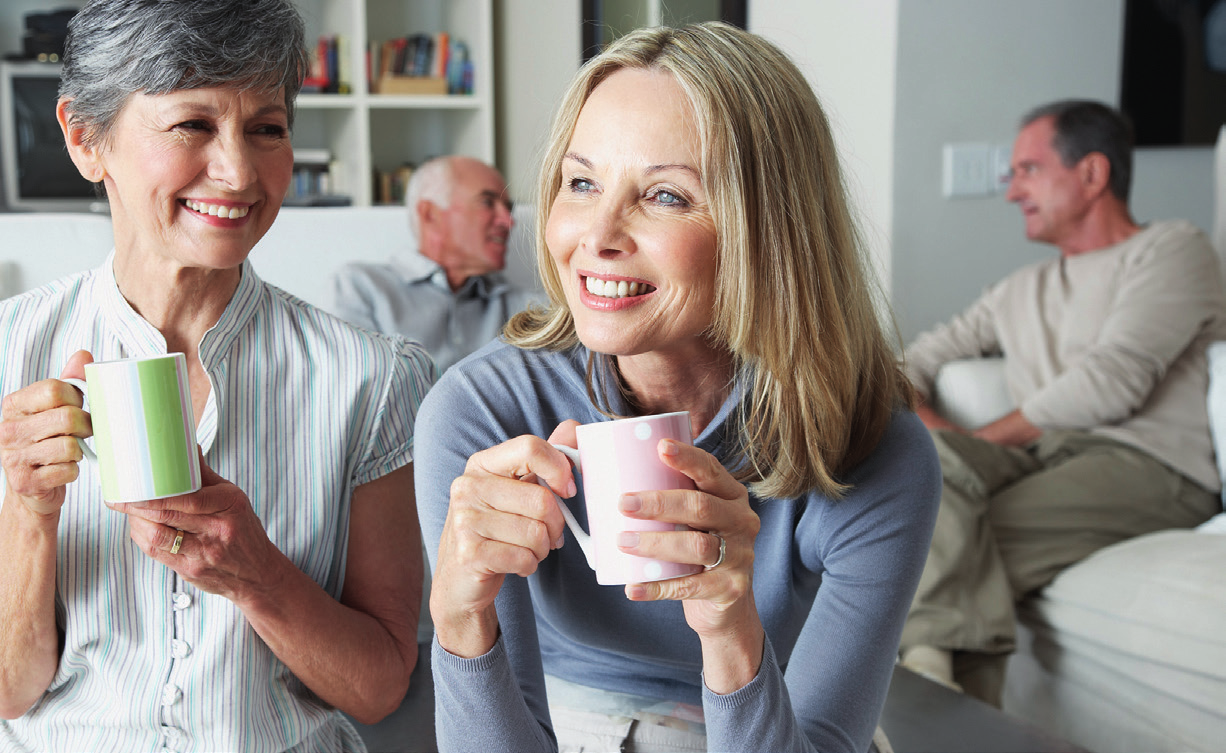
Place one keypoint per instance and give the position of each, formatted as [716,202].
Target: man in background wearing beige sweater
[1104,350]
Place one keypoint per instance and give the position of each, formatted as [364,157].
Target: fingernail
[571,490]
[668,447]
[561,540]
[635,592]
[630,503]
[628,539]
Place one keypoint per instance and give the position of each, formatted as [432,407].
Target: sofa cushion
[972,392]
[1137,626]
[9,284]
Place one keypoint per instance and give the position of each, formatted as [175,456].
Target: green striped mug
[144,428]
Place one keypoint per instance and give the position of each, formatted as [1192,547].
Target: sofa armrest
[972,392]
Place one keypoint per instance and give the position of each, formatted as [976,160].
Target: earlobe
[84,154]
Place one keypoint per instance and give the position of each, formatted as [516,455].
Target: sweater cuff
[752,692]
[477,665]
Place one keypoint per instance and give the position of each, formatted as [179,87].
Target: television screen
[38,173]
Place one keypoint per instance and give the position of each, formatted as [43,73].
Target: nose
[231,163]
[607,233]
[503,217]
[1014,191]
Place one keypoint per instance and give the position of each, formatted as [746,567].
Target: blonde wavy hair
[796,305]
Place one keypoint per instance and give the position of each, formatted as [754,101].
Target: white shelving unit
[366,131]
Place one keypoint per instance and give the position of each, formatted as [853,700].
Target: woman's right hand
[499,521]
[39,425]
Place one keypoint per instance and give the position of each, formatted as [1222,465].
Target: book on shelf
[329,71]
[314,180]
[420,64]
[311,156]
[389,185]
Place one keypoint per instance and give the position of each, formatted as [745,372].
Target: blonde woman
[699,255]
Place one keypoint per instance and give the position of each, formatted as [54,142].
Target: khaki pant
[1012,518]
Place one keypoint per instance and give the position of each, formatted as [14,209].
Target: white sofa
[1125,652]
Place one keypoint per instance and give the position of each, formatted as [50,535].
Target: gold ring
[174,548]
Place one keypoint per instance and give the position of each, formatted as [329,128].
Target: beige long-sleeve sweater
[1112,341]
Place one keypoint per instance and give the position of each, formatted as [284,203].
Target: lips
[616,288]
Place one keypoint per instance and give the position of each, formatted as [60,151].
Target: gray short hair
[1084,126]
[431,181]
[116,48]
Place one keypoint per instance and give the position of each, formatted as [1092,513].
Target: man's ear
[1095,171]
[425,211]
[429,218]
[84,155]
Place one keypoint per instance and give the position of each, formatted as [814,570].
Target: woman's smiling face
[196,176]
[630,230]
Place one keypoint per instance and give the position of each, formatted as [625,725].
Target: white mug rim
[136,359]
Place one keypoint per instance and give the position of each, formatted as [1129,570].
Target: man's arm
[934,420]
[970,334]
[1170,292]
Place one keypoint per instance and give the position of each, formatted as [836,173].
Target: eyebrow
[207,108]
[650,168]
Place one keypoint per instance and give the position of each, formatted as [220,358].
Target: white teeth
[615,289]
[217,210]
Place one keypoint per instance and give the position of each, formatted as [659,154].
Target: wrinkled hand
[719,600]
[38,431]
[225,550]
[499,521]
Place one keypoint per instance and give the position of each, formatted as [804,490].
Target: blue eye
[667,198]
[580,185]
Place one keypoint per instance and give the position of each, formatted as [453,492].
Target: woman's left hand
[224,547]
[721,598]
[718,602]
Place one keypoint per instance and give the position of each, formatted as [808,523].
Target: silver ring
[723,546]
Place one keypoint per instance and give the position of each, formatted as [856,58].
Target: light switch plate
[967,170]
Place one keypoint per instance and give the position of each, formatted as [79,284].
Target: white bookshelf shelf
[365,131]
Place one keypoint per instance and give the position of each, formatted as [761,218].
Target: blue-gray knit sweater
[833,581]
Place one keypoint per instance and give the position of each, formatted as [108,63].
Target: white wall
[967,70]
[847,51]
[538,50]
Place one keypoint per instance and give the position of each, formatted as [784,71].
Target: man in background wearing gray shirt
[447,291]
[1104,350]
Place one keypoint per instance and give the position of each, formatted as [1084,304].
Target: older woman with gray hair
[249,614]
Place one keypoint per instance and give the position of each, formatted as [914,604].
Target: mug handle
[581,536]
[80,385]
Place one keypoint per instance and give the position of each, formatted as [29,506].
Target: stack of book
[313,183]
[420,64]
